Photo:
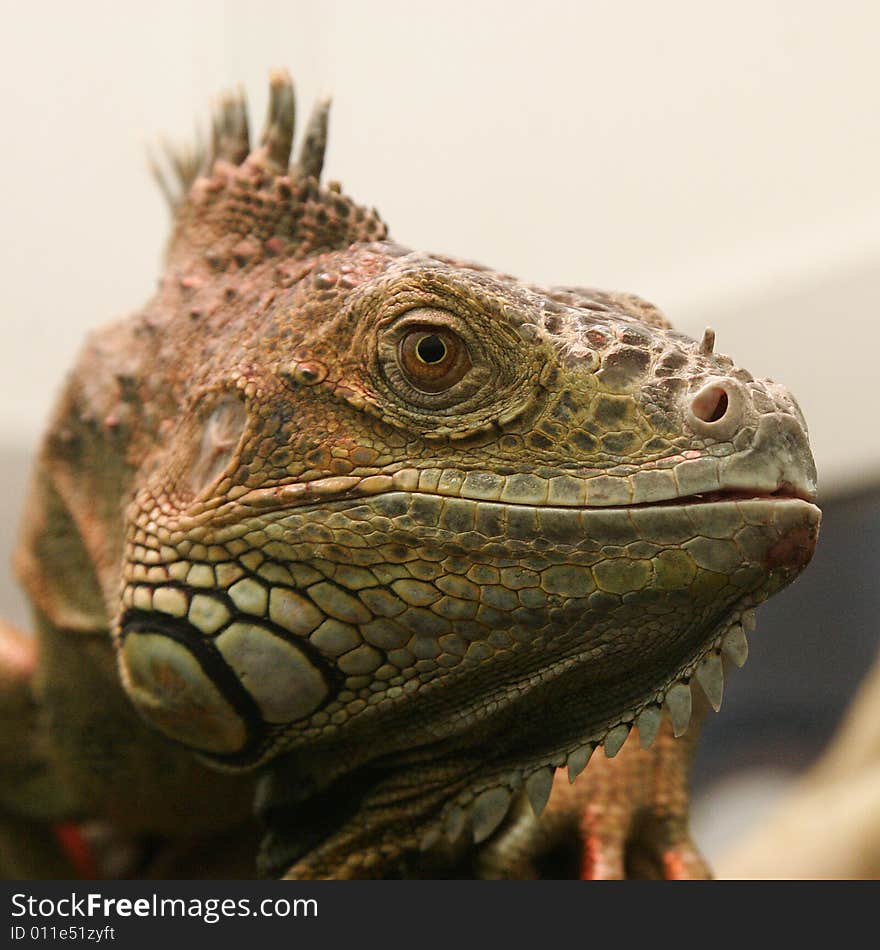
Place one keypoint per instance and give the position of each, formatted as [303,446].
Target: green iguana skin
[386,537]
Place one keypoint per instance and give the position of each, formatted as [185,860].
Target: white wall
[722,160]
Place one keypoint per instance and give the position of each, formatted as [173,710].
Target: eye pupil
[431,349]
[431,358]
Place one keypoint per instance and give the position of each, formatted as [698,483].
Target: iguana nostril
[716,409]
[710,404]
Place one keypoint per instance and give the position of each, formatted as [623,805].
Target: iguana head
[403,505]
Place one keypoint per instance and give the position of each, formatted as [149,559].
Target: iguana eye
[433,359]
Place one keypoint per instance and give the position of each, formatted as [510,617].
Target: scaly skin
[394,534]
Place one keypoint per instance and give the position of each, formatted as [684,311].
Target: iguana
[381,539]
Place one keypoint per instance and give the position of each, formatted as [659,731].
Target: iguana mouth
[354,488]
[719,497]
[783,493]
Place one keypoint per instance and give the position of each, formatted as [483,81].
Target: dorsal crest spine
[225,192]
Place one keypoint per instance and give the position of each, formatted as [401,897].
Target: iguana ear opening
[224,191]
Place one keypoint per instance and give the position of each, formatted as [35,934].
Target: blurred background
[721,161]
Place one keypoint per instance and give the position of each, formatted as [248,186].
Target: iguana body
[395,535]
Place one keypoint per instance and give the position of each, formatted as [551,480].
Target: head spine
[223,191]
